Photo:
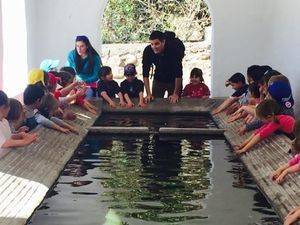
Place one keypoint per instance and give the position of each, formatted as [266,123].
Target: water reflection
[155,180]
[147,179]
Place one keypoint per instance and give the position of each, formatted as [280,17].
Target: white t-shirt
[5,132]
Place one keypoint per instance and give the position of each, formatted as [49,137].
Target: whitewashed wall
[54,24]
[244,33]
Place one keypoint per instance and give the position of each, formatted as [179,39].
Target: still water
[155,120]
[145,180]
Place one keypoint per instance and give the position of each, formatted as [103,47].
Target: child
[279,90]
[75,91]
[32,99]
[268,112]
[253,100]
[64,111]
[196,88]
[132,87]
[263,83]
[69,70]
[39,77]
[49,64]
[108,88]
[7,139]
[16,116]
[255,73]
[49,105]
[238,83]
[294,164]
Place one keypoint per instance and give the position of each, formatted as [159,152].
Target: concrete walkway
[26,174]
[266,157]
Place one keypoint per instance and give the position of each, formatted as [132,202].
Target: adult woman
[86,62]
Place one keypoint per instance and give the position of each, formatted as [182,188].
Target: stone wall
[118,55]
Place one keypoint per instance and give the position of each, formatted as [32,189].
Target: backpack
[176,42]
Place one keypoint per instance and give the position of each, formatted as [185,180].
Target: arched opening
[127,24]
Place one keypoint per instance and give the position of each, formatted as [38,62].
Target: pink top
[195,90]
[295,160]
[285,124]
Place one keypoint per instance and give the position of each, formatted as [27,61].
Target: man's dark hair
[237,77]
[32,93]
[3,99]
[157,35]
[104,71]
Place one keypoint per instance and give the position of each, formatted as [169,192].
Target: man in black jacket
[165,53]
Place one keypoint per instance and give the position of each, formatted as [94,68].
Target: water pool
[150,180]
[155,120]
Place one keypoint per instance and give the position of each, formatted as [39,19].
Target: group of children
[49,94]
[265,105]
[132,87]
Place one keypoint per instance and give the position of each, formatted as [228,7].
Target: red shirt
[196,90]
[285,124]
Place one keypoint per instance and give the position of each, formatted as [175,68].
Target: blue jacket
[84,75]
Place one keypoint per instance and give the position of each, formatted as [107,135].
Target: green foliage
[133,20]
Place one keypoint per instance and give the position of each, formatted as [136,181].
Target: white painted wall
[54,24]
[284,43]
[244,33]
[255,32]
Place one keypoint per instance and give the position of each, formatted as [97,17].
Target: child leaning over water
[32,96]
[293,165]
[132,87]
[7,139]
[75,91]
[16,116]
[196,88]
[107,88]
[268,112]
[49,106]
